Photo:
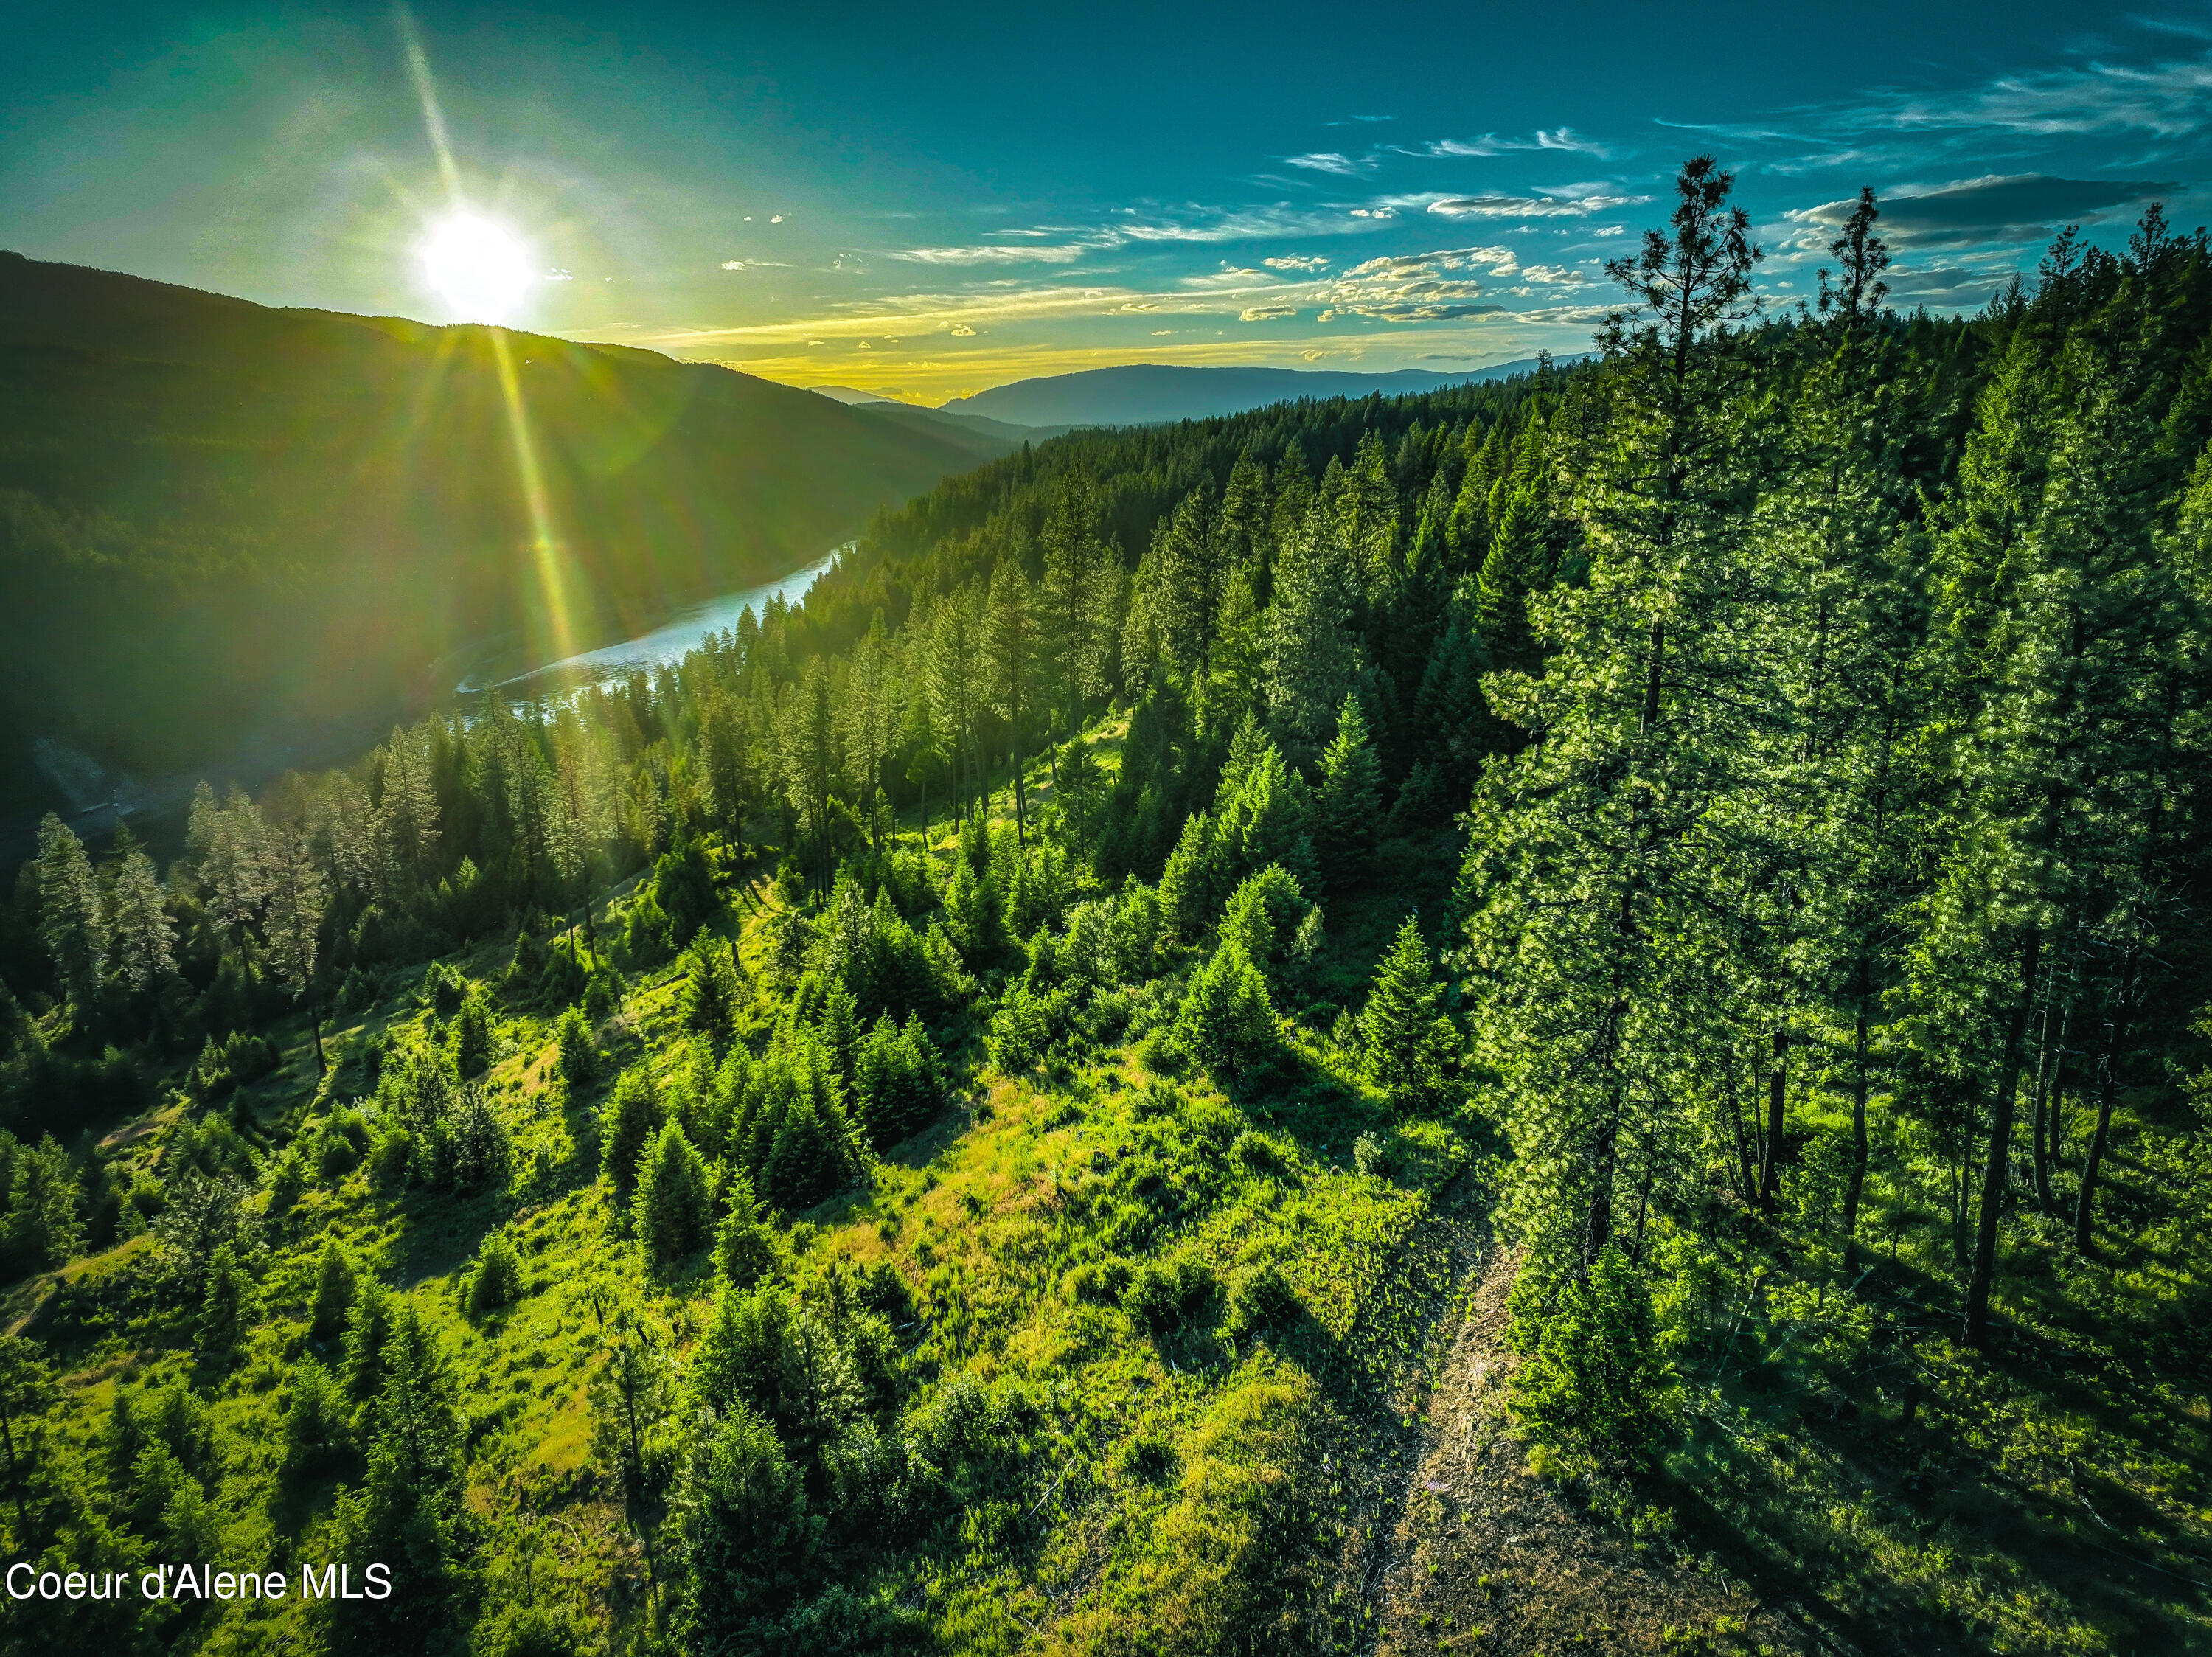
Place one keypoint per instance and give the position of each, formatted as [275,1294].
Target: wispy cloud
[1296,262]
[1265,313]
[1329,161]
[1026,253]
[1568,202]
[1564,138]
[2169,99]
[756,264]
[2022,207]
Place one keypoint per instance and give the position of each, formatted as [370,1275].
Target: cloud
[1558,275]
[1296,262]
[1031,253]
[1162,333]
[1569,202]
[1266,312]
[1412,288]
[1405,267]
[2022,207]
[755,264]
[1329,161]
[1559,139]
[2168,99]
[962,331]
[1191,222]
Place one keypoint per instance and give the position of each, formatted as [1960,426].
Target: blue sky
[929,201]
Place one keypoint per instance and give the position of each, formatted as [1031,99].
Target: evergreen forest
[1568,1014]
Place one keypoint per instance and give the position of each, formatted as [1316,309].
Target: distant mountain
[221,523]
[847,394]
[992,438]
[1150,393]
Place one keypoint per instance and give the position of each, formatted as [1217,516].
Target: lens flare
[481,269]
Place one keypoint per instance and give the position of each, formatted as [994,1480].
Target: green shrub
[1371,1156]
[1593,1391]
[1260,1300]
[579,1059]
[497,1279]
[1164,1296]
[1102,1282]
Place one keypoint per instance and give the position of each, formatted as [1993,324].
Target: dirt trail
[1486,1560]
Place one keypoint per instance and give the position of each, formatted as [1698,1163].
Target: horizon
[923,213]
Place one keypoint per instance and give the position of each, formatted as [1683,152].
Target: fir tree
[332,1302]
[670,1209]
[145,932]
[632,1116]
[72,920]
[1349,802]
[1405,1042]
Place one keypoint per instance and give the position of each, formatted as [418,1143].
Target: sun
[479,267]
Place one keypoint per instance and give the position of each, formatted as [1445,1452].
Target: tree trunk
[1601,1204]
[1993,1173]
[1856,1188]
[2046,1089]
[2108,1088]
[1769,1183]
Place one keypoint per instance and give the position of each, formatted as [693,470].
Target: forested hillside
[1561,1015]
[219,520]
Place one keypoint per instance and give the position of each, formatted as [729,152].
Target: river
[665,645]
[93,797]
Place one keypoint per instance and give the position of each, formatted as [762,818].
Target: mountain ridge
[1153,393]
[240,518]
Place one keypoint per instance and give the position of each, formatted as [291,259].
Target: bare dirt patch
[1486,1559]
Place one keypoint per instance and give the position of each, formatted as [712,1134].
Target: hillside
[1148,393]
[1570,1015]
[222,526]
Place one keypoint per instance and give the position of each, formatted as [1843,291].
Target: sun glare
[480,268]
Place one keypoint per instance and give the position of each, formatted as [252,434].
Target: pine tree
[367,1332]
[72,920]
[407,1513]
[1511,570]
[1405,1042]
[296,900]
[226,1308]
[234,869]
[749,1541]
[671,1209]
[1593,1388]
[332,1304]
[1605,857]
[1308,652]
[632,1116]
[1010,650]
[1349,802]
[408,802]
[1189,569]
[144,932]
[1228,1022]
[713,992]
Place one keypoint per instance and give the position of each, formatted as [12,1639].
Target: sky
[924,202]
